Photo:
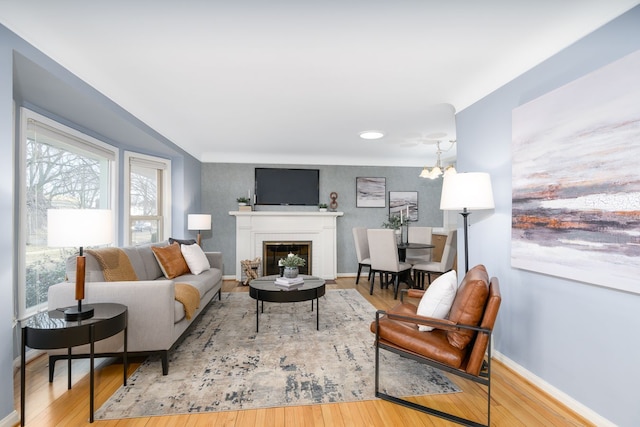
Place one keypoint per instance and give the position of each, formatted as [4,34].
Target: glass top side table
[49,330]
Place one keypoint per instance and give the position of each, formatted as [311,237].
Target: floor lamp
[199,222]
[466,192]
[78,228]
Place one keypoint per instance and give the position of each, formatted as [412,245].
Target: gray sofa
[156,320]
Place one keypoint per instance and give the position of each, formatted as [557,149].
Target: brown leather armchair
[457,345]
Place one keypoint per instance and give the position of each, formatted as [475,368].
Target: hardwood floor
[515,402]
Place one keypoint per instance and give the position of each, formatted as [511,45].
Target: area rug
[223,364]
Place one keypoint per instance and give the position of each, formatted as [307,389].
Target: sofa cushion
[182,241]
[115,264]
[171,260]
[468,306]
[436,301]
[195,258]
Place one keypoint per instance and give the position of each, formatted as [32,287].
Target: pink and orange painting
[576,179]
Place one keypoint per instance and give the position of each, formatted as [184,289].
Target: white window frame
[165,204]
[79,140]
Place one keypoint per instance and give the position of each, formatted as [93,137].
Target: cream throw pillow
[437,300]
[195,257]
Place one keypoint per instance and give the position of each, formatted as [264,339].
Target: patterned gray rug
[224,365]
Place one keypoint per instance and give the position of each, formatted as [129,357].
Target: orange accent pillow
[171,260]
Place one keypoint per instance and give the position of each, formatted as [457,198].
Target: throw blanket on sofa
[115,264]
[189,296]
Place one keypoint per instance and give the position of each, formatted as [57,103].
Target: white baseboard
[10,420]
[557,394]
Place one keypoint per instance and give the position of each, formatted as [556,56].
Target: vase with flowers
[291,263]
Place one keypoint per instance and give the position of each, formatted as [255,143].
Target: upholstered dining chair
[362,250]
[419,235]
[383,250]
[445,264]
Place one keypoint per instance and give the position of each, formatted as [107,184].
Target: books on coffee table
[289,284]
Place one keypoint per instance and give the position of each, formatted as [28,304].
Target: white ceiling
[294,81]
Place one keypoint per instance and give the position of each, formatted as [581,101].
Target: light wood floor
[515,402]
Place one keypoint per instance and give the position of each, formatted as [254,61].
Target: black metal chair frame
[484,377]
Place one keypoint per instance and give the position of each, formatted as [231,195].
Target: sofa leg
[165,362]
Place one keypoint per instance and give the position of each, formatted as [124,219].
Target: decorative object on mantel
[243,201]
[322,207]
[243,371]
[291,263]
[333,204]
[250,269]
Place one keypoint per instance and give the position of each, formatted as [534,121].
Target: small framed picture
[405,202]
[370,192]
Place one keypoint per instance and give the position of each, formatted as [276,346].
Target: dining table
[402,249]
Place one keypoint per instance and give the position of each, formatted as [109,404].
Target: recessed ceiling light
[371,134]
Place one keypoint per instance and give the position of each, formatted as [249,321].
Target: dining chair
[362,250]
[445,264]
[383,251]
[419,235]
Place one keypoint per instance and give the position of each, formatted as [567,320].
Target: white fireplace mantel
[255,227]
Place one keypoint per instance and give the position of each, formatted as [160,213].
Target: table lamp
[466,191]
[79,227]
[199,222]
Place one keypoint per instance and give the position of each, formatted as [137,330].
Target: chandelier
[437,170]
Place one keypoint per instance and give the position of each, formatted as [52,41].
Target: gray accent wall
[223,183]
[580,339]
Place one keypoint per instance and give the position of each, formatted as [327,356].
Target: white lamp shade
[470,190]
[199,222]
[79,227]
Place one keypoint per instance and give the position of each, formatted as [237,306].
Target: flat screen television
[276,186]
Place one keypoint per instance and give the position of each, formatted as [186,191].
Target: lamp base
[74,314]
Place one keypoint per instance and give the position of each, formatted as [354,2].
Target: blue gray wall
[7,258]
[223,183]
[579,338]
[35,81]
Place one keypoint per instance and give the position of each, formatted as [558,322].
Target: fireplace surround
[253,228]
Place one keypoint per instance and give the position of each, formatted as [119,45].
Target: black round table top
[54,319]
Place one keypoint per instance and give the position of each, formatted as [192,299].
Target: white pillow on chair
[437,300]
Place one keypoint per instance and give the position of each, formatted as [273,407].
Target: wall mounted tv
[275,186]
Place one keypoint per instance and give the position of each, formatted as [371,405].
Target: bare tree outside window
[56,174]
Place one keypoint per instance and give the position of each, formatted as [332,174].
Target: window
[59,168]
[149,201]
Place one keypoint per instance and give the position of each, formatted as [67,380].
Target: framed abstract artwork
[405,202]
[576,181]
[371,192]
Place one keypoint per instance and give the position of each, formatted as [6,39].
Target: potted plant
[322,207]
[291,263]
[242,201]
[393,222]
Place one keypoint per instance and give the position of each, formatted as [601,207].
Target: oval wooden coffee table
[264,289]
